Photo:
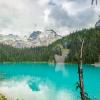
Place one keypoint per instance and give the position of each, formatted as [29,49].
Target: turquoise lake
[47,81]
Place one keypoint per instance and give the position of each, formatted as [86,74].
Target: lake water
[47,81]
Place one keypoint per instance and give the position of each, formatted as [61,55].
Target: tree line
[91,50]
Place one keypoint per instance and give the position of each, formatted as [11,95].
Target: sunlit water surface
[47,81]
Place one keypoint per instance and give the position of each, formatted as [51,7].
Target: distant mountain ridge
[36,38]
[70,44]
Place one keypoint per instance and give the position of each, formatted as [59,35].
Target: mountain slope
[71,42]
[91,50]
[36,38]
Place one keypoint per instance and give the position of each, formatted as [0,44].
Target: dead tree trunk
[80,72]
[94,1]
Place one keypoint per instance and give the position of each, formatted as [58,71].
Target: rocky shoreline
[96,64]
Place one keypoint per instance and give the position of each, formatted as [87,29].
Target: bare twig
[94,1]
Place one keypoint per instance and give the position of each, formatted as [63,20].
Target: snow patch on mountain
[36,38]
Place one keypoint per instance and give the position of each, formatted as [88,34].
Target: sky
[64,16]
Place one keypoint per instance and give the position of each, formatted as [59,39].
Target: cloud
[74,14]
[25,16]
[21,16]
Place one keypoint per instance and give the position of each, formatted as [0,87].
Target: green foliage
[91,49]
[10,54]
[2,97]
[46,53]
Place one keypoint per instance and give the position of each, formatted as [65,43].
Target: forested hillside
[91,50]
[11,54]
[71,42]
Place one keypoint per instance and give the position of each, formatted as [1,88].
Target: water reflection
[21,89]
[39,82]
[61,68]
[46,81]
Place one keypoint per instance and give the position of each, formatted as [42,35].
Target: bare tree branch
[94,1]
